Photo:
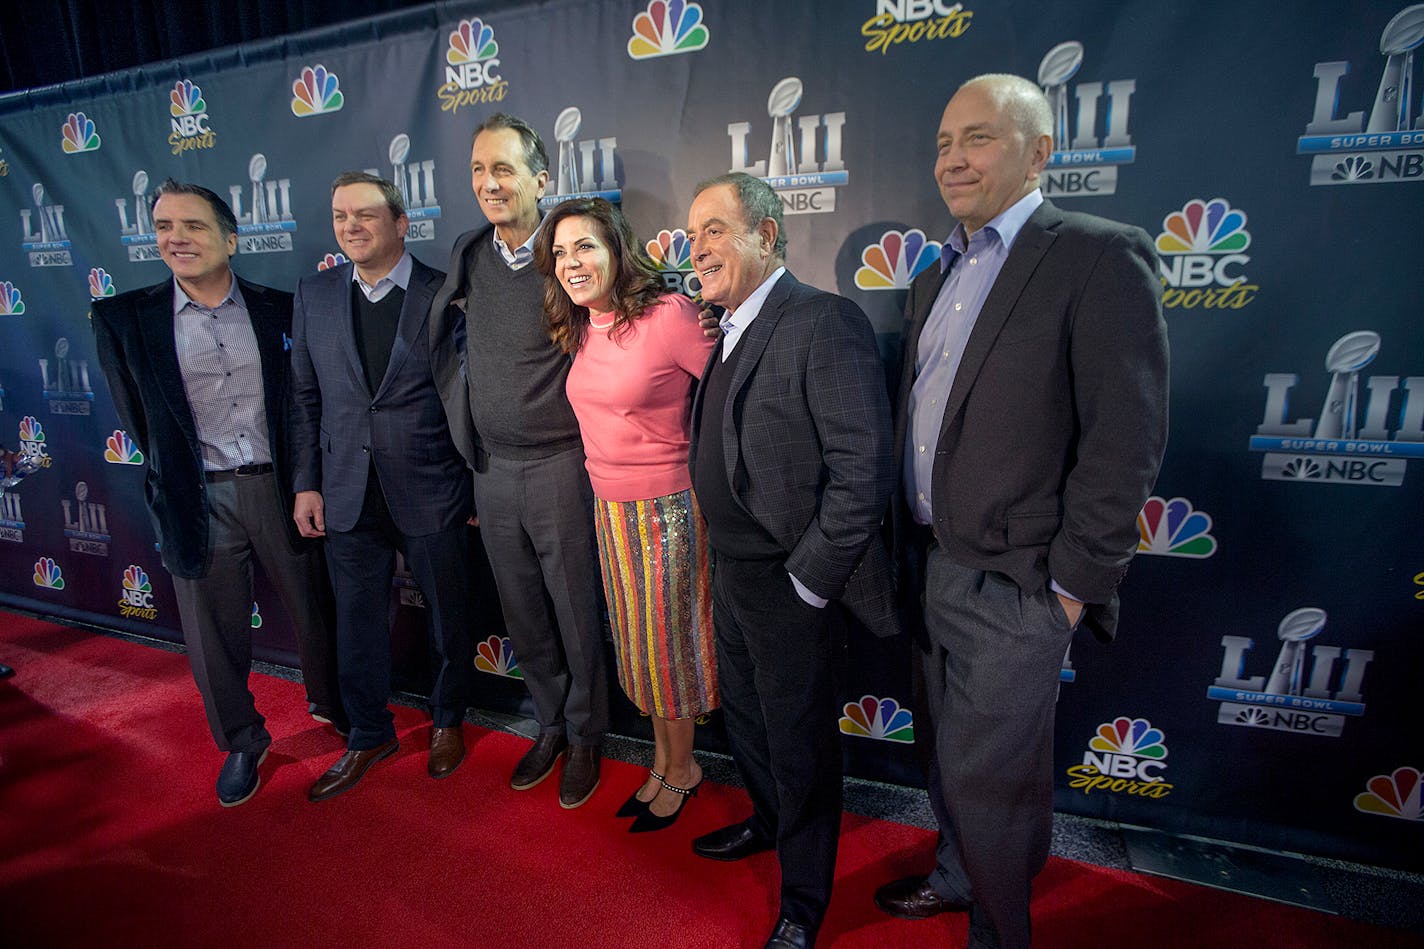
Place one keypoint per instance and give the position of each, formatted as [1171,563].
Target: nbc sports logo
[1201,247]
[186,98]
[136,594]
[496,657]
[1392,795]
[101,285]
[472,59]
[1125,756]
[879,719]
[671,254]
[11,302]
[316,92]
[48,576]
[188,118]
[78,134]
[910,21]
[667,27]
[119,449]
[32,441]
[1174,529]
[894,261]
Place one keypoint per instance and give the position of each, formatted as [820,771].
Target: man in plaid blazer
[792,465]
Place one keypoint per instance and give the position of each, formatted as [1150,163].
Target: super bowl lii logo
[471,70]
[1083,163]
[42,231]
[1201,257]
[86,523]
[136,594]
[671,253]
[804,164]
[894,261]
[12,518]
[66,382]
[496,656]
[911,21]
[1351,441]
[188,118]
[1310,690]
[1126,756]
[878,719]
[587,168]
[1389,145]
[666,28]
[415,179]
[136,230]
[266,225]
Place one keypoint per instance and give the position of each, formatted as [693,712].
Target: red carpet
[110,834]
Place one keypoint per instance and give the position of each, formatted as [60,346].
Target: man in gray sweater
[511,420]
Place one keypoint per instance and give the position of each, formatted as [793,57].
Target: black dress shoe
[538,762]
[349,769]
[914,898]
[238,780]
[580,778]
[648,821]
[789,935]
[732,843]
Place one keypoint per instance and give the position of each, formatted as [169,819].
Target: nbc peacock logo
[316,91]
[78,134]
[32,441]
[878,719]
[671,254]
[331,260]
[101,285]
[1201,247]
[136,594]
[119,449]
[1125,756]
[1174,529]
[496,656]
[48,576]
[666,28]
[894,261]
[1396,795]
[472,58]
[12,303]
[188,118]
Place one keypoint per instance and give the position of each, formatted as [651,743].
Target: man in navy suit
[791,462]
[197,367]
[377,471]
[1031,422]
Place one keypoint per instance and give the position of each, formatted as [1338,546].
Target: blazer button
[373,410]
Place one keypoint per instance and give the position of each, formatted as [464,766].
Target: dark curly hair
[637,284]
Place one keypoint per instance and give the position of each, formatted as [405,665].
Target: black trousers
[778,661]
[363,562]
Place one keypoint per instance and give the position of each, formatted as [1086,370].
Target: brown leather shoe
[914,898]
[580,777]
[538,762]
[447,750]
[349,769]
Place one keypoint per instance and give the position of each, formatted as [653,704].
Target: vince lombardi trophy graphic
[1391,112]
[1351,353]
[1059,65]
[1288,676]
[46,231]
[566,126]
[142,223]
[785,97]
[400,148]
[256,169]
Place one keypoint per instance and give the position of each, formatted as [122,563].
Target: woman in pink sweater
[638,353]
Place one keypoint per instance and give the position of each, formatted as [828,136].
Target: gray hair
[758,202]
[535,155]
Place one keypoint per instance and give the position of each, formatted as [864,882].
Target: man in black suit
[377,472]
[791,463]
[198,370]
[1032,417]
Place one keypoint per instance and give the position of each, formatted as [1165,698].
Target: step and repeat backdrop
[1264,685]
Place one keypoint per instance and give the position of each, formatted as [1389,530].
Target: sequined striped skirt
[656,577]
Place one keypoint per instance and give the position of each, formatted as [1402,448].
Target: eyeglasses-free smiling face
[583,263]
[190,241]
[985,163]
[370,236]
[507,191]
[731,259]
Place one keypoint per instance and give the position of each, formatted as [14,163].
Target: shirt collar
[1005,226]
[181,299]
[751,306]
[524,252]
[399,275]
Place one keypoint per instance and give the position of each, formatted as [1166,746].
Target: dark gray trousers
[536,522]
[991,681]
[245,518]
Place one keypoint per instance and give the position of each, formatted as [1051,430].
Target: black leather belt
[242,471]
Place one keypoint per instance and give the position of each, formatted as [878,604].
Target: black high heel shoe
[648,821]
[633,807]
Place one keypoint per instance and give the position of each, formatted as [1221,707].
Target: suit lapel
[1033,241]
[346,313]
[157,328]
[415,310]
[752,344]
[272,342]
